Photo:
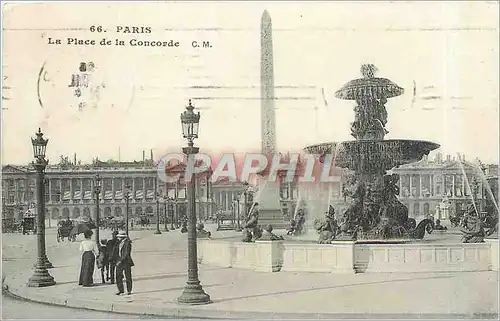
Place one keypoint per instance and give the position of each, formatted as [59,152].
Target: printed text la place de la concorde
[134,41]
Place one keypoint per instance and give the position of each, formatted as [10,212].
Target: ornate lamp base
[48,264]
[45,262]
[166,229]
[172,228]
[157,232]
[193,294]
[41,278]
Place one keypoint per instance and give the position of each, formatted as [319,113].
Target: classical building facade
[226,194]
[69,190]
[69,186]
[425,184]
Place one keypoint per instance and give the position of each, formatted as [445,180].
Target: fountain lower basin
[351,257]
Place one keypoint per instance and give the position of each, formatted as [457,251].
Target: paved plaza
[160,274]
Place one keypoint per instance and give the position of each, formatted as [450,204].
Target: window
[426,209]
[139,182]
[416,209]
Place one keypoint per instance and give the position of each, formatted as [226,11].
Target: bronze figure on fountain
[268,235]
[474,233]
[201,233]
[297,224]
[328,227]
[251,229]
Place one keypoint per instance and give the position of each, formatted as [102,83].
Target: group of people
[113,258]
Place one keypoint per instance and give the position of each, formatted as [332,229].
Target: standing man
[124,262]
[110,247]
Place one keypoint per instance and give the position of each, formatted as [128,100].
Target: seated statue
[268,235]
[301,220]
[474,232]
[492,230]
[297,224]
[252,227]
[439,227]
[247,236]
[292,228]
[201,233]
[327,228]
[491,223]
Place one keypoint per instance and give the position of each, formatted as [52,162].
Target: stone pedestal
[269,256]
[345,256]
[494,252]
[269,205]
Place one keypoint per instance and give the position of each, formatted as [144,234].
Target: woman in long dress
[89,250]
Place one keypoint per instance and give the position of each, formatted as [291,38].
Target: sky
[448,50]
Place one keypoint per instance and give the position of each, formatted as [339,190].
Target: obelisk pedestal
[270,211]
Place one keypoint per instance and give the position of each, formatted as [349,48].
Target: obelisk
[269,196]
[268,113]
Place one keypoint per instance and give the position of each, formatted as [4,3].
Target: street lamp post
[127,199]
[97,191]
[157,213]
[193,291]
[233,215]
[166,199]
[238,224]
[245,213]
[171,210]
[41,276]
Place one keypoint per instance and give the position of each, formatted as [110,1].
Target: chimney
[448,158]
[143,156]
[74,157]
[151,151]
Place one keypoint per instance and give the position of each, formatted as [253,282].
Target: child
[103,260]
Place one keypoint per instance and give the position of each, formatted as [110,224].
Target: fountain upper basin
[374,156]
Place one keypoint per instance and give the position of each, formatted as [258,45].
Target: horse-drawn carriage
[79,228]
[64,229]
[116,223]
[28,225]
[143,221]
[9,225]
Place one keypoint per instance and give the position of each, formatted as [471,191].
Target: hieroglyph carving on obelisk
[268,113]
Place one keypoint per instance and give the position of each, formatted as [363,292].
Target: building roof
[437,164]
[15,169]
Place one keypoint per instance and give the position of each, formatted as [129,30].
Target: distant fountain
[374,210]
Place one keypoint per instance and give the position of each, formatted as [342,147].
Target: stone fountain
[374,210]
[373,233]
